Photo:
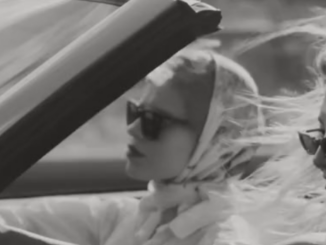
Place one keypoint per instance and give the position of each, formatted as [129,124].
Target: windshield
[34,31]
[38,29]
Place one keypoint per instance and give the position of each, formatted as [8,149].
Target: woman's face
[167,155]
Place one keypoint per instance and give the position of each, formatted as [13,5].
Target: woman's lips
[134,152]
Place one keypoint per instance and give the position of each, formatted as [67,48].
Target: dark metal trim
[69,177]
[110,2]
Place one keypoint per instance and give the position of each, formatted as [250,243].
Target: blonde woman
[197,120]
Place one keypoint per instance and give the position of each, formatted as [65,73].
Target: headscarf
[225,142]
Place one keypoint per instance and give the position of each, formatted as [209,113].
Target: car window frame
[19,135]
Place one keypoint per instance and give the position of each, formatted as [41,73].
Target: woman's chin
[140,169]
[135,171]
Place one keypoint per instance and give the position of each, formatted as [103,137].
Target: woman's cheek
[176,147]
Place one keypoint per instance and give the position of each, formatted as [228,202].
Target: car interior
[62,130]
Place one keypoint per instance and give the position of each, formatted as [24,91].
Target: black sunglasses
[311,144]
[152,123]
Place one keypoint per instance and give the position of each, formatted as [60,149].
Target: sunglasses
[152,123]
[310,143]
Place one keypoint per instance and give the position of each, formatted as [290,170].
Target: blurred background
[33,31]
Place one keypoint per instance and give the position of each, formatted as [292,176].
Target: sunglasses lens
[151,122]
[151,125]
[132,112]
[308,143]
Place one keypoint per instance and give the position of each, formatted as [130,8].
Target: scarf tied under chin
[197,205]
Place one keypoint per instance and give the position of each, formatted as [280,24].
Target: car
[73,60]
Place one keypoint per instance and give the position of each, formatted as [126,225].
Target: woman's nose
[134,129]
[319,159]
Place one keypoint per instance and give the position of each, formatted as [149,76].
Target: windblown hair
[291,112]
[284,198]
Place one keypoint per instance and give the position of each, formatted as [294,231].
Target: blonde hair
[284,198]
[292,112]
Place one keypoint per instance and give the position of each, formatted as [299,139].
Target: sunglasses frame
[149,132]
[319,142]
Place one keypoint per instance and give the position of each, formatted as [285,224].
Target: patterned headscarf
[233,119]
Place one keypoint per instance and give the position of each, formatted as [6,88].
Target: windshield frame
[162,27]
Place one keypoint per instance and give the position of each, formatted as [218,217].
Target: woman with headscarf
[193,126]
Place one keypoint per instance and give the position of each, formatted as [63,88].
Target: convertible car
[62,64]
